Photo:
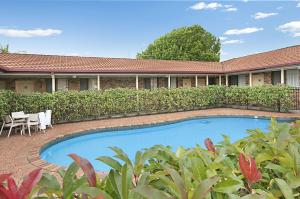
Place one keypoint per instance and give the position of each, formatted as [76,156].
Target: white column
[226,80]
[98,82]
[53,82]
[169,81]
[137,82]
[220,80]
[196,81]
[250,79]
[282,76]
[207,82]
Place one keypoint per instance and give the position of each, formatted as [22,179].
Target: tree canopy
[192,43]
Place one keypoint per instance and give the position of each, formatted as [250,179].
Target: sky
[124,28]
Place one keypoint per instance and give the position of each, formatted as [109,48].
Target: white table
[23,119]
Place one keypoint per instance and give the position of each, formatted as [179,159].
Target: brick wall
[74,84]
[118,82]
[201,81]
[180,81]
[268,78]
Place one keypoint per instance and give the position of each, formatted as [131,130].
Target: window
[84,84]
[233,80]
[292,78]
[49,85]
[147,83]
[62,84]
[276,77]
[242,80]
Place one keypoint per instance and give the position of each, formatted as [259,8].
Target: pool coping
[34,157]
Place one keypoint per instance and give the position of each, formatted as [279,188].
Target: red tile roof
[13,62]
[276,58]
[72,64]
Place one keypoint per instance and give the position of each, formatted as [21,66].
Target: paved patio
[20,154]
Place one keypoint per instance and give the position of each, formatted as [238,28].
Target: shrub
[82,105]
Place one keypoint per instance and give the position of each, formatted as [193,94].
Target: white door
[153,82]
[173,82]
[242,80]
[62,84]
[92,84]
[292,78]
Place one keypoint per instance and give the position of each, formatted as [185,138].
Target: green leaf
[110,162]
[285,188]
[150,193]
[228,185]
[204,187]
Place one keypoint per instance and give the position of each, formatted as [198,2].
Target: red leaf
[4,177]
[255,173]
[5,194]
[12,188]
[249,169]
[209,145]
[29,182]
[87,168]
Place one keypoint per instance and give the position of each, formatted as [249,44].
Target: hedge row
[74,105]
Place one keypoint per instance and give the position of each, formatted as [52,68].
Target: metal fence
[296,98]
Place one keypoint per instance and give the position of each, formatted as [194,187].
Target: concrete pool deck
[20,154]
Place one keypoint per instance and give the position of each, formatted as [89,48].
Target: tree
[191,43]
[4,49]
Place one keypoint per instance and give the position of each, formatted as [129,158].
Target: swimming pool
[186,133]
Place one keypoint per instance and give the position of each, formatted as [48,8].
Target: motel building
[27,73]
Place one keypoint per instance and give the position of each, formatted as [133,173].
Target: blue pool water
[185,133]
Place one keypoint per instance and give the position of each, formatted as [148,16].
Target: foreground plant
[10,190]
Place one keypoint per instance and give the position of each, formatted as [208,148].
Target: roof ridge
[116,58]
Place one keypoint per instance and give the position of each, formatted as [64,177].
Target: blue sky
[123,28]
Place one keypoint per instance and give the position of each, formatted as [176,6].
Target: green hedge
[74,105]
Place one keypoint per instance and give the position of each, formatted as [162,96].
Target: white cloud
[262,15]
[222,38]
[297,34]
[298,5]
[227,6]
[213,6]
[279,8]
[206,6]
[231,9]
[233,41]
[29,33]
[243,31]
[292,27]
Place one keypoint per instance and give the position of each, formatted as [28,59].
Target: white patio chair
[9,122]
[48,114]
[18,114]
[42,121]
[33,120]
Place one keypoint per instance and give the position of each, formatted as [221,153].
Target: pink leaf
[249,169]
[13,188]
[4,177]
[209,145]
[30,181]
[87,168]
